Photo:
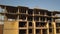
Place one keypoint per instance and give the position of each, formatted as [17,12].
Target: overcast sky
[44,4]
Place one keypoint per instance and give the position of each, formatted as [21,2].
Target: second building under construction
[23,20]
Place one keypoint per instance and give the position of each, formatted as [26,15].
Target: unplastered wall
[1,28]
[11,27]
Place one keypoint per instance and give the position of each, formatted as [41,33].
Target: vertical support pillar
[5,10]
[52,19]
[52,16]
[39,13]
[26,11]
[45,14]
[0,8]
[27,22]
[34,24]
[41,31]
[18,20]
[18,10]
[27,27]
[39,19]
[5,18]
[45,20]
[33,13]
[54,28]
[34,27]
[18,15]
[26,18]
[47,28]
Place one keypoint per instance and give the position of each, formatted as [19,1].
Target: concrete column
[33,13]
[47,28]
[51,14]
[27,27]
[45,20]
[5,10]
[26,18]
[18,15]
[18,10]
[5,19]
[26,11]
[54,27]
[34,27]
[0,9]
[39,19]
[18,18]
[41,31]
[52,19]
[39,13]
[45,14]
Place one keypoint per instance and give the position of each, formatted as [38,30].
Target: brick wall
[1,29]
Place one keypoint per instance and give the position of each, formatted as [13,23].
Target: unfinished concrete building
[23,20]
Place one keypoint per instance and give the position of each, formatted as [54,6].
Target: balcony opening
[30,24]
[30,11]
[22,9]
[11,9]
[22,24]
[50,25]
[49,20]
[44,31]
[49,13]
[36,11]
[42,18]
[39,24]
[57,24]
[53,19]
[57,30]
[42,12]
[38,31]
[30,31]
[22,17]
[50,31]
[11,17]
[23,31]
[36,18]
[30,18]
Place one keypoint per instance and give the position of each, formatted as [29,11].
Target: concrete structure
[23,20]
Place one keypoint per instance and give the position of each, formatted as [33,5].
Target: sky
[52,5]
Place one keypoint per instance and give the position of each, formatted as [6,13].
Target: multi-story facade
[23,20]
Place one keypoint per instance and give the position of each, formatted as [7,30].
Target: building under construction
[23,20]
